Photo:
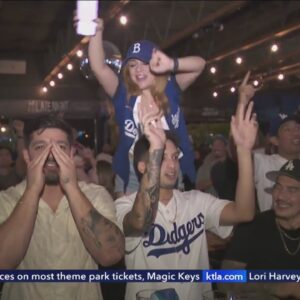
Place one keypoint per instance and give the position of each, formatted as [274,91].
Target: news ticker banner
[209,276]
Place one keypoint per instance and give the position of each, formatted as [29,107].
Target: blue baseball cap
[141,50]
[279,120]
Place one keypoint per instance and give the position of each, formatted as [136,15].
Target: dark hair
[141,150]
[44,122]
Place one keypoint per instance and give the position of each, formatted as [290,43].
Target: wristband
[176,64]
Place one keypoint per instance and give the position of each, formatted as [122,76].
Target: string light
[44,89]
[60,76]
[123,20]
[79,53]
[255,82]
[213,70]
[69,66]
[52,83]
[280,76]
[215,94]
[238,60]
[274,48]
[232,89]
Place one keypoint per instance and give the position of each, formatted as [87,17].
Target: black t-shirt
[258,244]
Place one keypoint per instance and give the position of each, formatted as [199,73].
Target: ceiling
[41,32]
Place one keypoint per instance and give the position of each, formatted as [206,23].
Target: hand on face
[67,167]
[35,174]
[160,63]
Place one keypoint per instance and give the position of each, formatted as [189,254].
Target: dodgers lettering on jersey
[130,129]
[179,239]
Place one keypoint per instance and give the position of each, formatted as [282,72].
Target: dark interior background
[37,39]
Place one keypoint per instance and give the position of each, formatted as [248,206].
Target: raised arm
[101,237]
[186,69]
[143,212]
[16,231]
[244,129]
[104,74]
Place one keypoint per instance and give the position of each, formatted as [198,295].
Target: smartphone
[87,12]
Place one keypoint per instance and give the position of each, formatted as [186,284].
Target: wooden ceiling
[219,31]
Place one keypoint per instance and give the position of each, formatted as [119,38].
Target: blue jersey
[129,131]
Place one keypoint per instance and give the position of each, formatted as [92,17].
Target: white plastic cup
[87,12]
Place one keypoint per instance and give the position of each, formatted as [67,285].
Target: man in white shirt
[285,134]
[50,221]
[165,228]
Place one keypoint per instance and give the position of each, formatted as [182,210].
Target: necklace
[284,234]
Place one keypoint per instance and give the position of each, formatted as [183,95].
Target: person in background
[164,227]
[218,153]
[12,171]
[153,79]
[284,134]
[106,176]
[272,240]
[50,221]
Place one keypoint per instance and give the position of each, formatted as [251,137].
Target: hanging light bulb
[232,89]
[69,66]
[44,89]
[274,47]
[123,20]
[280,76]
[215,94]
[60,76]
[52,83]
[238,60]
[213,70]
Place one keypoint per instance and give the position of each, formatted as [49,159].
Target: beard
[51,178]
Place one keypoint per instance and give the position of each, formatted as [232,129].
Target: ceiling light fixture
[123,20]
[213,70]
[232,89]
[69,66]
[215,94]
[60,75]
[274,47]
[52,83]
[280,76]
[238,60]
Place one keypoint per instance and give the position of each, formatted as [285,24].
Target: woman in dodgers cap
[148,78]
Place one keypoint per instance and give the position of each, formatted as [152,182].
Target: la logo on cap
[282,116]
[290,166]
[136,48]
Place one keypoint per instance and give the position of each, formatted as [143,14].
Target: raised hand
[18,125]
[246,91]
[35,174]
[150,119]
[160,63]
[67,168]
[244,127]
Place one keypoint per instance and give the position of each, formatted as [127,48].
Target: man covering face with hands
[52,221]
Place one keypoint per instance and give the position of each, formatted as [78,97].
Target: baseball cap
[279,120]
[291,169]
[141,50]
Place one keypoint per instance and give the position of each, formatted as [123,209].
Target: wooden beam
[228,8]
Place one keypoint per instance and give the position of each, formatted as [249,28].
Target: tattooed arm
[101,237]
[143,212]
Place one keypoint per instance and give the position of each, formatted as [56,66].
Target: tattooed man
[52,221]
[164,227]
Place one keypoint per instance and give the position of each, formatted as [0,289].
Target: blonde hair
[157,90]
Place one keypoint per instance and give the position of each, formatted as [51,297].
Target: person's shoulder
[13,193]
[92,188]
